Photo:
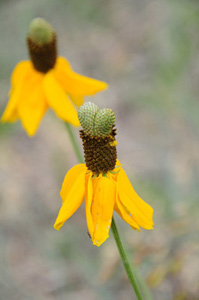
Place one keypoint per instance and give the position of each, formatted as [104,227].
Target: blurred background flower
[147,51]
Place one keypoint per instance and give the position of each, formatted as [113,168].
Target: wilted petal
[138,210]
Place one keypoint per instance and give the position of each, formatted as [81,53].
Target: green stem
[125,261]
[132,277]
[143,285]
[74,143]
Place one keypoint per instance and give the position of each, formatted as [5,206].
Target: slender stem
[125,261]
[132,275]
[74,143]
[142,285]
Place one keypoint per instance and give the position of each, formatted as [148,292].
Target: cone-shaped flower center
[42,45]
[98,137]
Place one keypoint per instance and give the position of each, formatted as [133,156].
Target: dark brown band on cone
[99,152]
[44,56]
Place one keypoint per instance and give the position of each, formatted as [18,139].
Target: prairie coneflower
[46,81]
[101,180]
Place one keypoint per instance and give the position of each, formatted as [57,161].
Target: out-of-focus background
[147,50]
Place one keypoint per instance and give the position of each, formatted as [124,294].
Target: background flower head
[46,81]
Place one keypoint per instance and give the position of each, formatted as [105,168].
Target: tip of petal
[8,116]
[75,122]
[99,243]
[104,85]
[100,86]
[57,226]
[30,133]
[151,226]
[148,226]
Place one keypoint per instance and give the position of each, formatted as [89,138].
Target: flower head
[101,181]
[46,81]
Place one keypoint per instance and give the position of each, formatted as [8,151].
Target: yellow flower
[47,81]
[103,194]
[101,181]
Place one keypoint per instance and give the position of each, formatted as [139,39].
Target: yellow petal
[88,203]
[18,80]
[125,214]
[104,196]
[10,113]
[58,100]
[70,178]
[19,71]
[32,105]
[139,210]
[73,198]
[76,84]
[77,100]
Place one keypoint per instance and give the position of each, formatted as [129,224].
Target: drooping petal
[32,104]
[88,203]
[21,68]
[18,81]
[138,210]
[70,178]
[73,196]
[76,84]
[104,196]
[10,113]
[125,214]
[77,100]
[58,100]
